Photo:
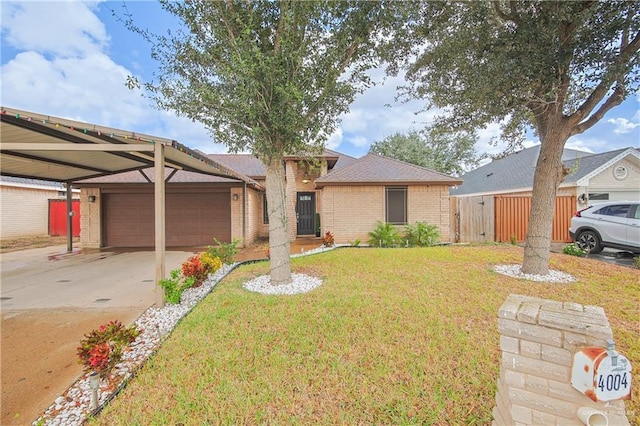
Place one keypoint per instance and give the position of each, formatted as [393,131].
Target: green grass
[393,336]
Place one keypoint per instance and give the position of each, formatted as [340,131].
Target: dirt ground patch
[15,244]
[38,346]
[39,356]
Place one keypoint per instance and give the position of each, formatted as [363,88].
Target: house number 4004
[613,382]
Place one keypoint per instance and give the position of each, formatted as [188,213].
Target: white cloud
[359,141]
[37,26]
[334,140]
[623,125]
[63,70]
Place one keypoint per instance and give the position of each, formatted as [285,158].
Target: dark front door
[306,212]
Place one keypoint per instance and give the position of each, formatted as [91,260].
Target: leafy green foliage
[224,251]
[175,285]
[101,350]
[437,150]
[573,249]
[421,234]
[581,54]
[385,235]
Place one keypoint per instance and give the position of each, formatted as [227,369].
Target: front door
[306,213]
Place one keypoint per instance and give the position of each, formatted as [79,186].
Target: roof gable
[251,166]
[513,172]
[377,169]
[605,160]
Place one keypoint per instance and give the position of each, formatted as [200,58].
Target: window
[619,210]
[265,211]
[601,196]
[396,205]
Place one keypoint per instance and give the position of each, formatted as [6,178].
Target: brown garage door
[192,219]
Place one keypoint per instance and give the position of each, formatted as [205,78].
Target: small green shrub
[385,235]
[355,243]
[422,234]
[573,249]
[101,350]
[175,285]
[224,251]
[636,262]
[514,240]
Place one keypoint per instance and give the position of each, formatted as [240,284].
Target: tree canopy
[451,154]
[555,66]
[268,77]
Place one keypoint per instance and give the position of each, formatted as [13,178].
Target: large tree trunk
[279,243]
[548,175]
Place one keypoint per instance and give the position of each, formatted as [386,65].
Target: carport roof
[51,148]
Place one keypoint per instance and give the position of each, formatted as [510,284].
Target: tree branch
[280,30]
[600,91]
[513,17]
[615,99]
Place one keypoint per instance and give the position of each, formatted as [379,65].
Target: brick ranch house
[347,195]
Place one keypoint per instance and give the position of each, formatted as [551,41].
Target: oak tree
[555,66]
[267,77]
[447,153]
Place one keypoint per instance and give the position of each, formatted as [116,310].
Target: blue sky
[71,60]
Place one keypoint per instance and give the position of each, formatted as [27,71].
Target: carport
[50,148]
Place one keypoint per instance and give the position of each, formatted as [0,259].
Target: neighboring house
[494,201]
[346,194]
[30,208]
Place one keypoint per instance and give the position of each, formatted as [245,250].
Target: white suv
[614,224]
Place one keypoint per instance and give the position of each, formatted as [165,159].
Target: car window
[637,215]
[618,210]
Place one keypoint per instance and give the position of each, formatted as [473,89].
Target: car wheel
[589,241]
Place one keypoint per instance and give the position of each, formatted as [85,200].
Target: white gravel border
[300,283]
[552,277]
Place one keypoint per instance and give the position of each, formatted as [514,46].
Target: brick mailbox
[544,344]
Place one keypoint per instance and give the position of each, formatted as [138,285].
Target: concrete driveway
[49,300]
[616,257]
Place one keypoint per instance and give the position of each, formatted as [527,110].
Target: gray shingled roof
[343,159]
[246,164]
[515,171]
[26,181]
[373,168]
[583,166]
[249,165]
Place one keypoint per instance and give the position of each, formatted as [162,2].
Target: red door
[58,217]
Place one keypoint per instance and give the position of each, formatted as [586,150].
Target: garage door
[192,219]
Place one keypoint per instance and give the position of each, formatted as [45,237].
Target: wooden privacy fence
[505,218]
[473,219]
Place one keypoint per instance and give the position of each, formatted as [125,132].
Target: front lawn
[393,336]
